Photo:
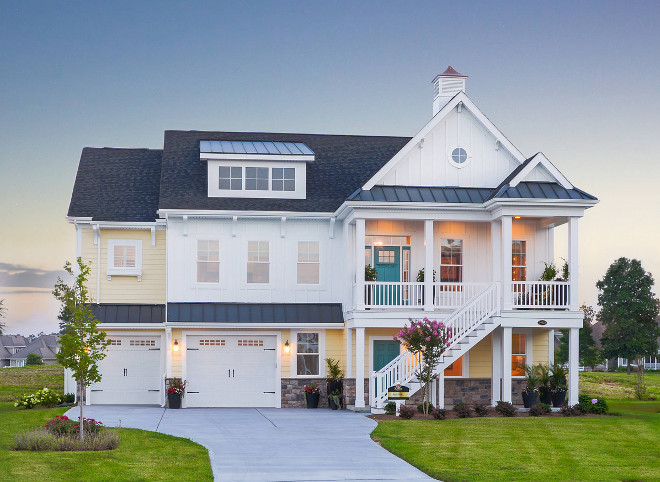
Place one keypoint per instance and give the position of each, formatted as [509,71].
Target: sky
[578,81]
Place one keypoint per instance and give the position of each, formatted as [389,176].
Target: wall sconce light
[287,347]
[516,217]
[175,346]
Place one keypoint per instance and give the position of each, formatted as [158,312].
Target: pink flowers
[594,401]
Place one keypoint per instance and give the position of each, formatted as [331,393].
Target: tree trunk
[80,402]
[628,368]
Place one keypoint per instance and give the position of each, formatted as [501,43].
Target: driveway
[269,443]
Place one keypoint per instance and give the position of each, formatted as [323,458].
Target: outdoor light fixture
[287,347]
[175,346]
[516,217]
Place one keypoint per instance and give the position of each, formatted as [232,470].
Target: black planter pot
[545,396]
[333,405]
[530,399]
[558,398]
[332,386]
[174,400]
[312,399]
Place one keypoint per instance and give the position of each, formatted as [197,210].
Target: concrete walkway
[271,444]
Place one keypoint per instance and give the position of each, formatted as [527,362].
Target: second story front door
[387,261]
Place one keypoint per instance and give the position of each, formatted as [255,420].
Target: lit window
[455,369]
[258,262]
[519,261]
[451,261]
[518,354]
[124,258]
[231,178]
[307,351]
[208,261]
[308,263]
[256,179]
[459,155]
[387,256]
[284,179]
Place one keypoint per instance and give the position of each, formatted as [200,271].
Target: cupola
[445,86]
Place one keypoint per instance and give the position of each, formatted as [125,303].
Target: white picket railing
[461,322]
[393,294]
[540,294]
[455,295]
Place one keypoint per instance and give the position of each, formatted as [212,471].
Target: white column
[573,263]
[507,240]
[551,347]
[359,366]
[496,379]
[506,364]
[573,363]
[349,353]
[496,247]
[359,264]
[441,389]
[428,265]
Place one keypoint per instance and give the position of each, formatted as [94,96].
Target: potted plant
[558,385]
[175,392]
[545,391]
[334,400]
[370,274]
[334,379]
[420,279]
[312,395]
[530,393]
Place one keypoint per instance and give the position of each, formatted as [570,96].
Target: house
[236,260]
[46,346]
[9,345]
[650,363]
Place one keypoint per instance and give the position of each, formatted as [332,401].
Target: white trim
[243,326]
[113,270]
[450,156]
[539,158]
[294,354]
[225,214]
[207,156]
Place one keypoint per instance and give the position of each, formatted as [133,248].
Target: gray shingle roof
[255,312]
[44,346]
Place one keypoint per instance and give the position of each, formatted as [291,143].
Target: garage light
[175,346]
[287,347]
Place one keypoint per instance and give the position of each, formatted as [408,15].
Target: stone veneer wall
[293,393]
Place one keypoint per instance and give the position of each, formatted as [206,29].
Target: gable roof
[117,185]
[12,340]
[44,346]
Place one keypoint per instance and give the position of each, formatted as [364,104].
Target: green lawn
[528,448]
[615,385]
[15,382]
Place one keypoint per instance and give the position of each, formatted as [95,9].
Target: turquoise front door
[387,261]
[384,352]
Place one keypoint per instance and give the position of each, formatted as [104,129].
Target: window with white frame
[308,263]
[451,261]
[518,354]
[208,261]
[307,354]
[519,260]
[284,179]
[231,178]
[125,257]
[256,179]
[258,265]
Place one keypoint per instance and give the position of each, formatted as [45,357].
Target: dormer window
[284,179]
[231,178]
[256,179]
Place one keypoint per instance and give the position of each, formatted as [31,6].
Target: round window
[459,155]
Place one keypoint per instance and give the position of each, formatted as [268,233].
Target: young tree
[82,345]
[590,355]
[3,313]
[628,311]
[34,359]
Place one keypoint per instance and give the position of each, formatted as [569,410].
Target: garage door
[131,372]
[231,371]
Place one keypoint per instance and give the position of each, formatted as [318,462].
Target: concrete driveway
[271,444]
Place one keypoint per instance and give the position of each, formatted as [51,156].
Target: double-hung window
[451,261]
[258,265]
[307,354]
[231,178]
[284,179]
[519,260]
[208,261]
[518,354]
[125,257]
[308,262]
[256,179]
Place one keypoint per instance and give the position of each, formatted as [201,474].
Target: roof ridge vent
[445,86]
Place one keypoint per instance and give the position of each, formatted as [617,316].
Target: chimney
[445,86]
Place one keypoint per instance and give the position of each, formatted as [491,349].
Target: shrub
[62,425]
[463,410]
[537,410]
[407,412]
[481,409]
[420,407]
[27,401]
[45,397]
[34,359]
[592,405]
[570,411]
[545,407]
[69,398]
[390,408]
[506,409]
[41,439]
[439,413]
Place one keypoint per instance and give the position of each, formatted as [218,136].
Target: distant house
[10,345]
[650,363]
[46,346]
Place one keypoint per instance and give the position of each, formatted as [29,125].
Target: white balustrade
[455,295]
[393,294]
[540,294]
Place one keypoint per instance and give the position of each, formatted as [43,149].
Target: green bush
[439,413]
[45,398]
[407,412]
[506,409]
[571,411]
[592,405]
[463,410]
[545,407]
[481,409]
[69,398]
[420,407]
[62,425]
[537,410]
[390,408]
[34,359]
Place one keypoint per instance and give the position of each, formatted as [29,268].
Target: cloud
[17,276]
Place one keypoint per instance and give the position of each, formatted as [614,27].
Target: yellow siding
[481,359]
[335,347]
[127,289]
[372,332]
[540,346]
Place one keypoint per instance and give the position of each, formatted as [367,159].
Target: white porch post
[573,263]
[573,363]
[359,366]
[496,379]
[507,240]
[359,264]
[496,247]
[506,364]
[349,352]
[551,347]
[441,389]
[428,265]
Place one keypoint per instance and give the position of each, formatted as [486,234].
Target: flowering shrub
[27,401]
[177,386]
[407,412]
[506,409]
[463,410]
[64,426]
[592,405]
[439,413]
[45,397]
[312,388]
[41,439]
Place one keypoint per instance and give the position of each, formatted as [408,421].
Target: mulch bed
[451,415]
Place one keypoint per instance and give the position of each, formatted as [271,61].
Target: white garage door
[131,372]
[231,371]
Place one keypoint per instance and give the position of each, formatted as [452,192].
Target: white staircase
[469,323]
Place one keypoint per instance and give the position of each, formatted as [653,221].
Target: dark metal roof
[284,313]
[115,313]
[253,147]
[541,190]
[423,194]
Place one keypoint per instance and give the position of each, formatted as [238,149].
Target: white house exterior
[236,260]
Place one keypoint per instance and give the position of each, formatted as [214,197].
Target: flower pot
[545,396]
[529,399]
[174,400]
[333,405]
[312,399]
[558,398]
[332,386]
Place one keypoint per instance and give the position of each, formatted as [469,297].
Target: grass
[15,382]
[529,448]
[618,385]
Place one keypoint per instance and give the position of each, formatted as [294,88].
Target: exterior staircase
[470,323]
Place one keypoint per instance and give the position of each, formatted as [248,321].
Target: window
[125,258]
[459,155]
[231,178]
[256,179]
[284,179]
[258,262]
[308,262]
[451,261]
[307,354]
[518,354]
[519,261]
[208,261]
[386,256]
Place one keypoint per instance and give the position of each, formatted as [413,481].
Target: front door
[384,352]
[387,261]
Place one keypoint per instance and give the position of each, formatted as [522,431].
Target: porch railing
[453,295]
[540,294]
[393,294]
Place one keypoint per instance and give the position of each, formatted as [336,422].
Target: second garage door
[231,371]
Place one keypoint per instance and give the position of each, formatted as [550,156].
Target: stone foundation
[293,392]
[349,391]
[468,390]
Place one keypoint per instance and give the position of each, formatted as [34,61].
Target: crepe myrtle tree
[82,345]
[427,340]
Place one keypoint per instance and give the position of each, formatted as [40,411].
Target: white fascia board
[530,319]
[448,213]
[158,224]
[540,158]
[349,209]
[246,326]
[206,156]
[495,204]
[242,214]
[461,97]
[77,219]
